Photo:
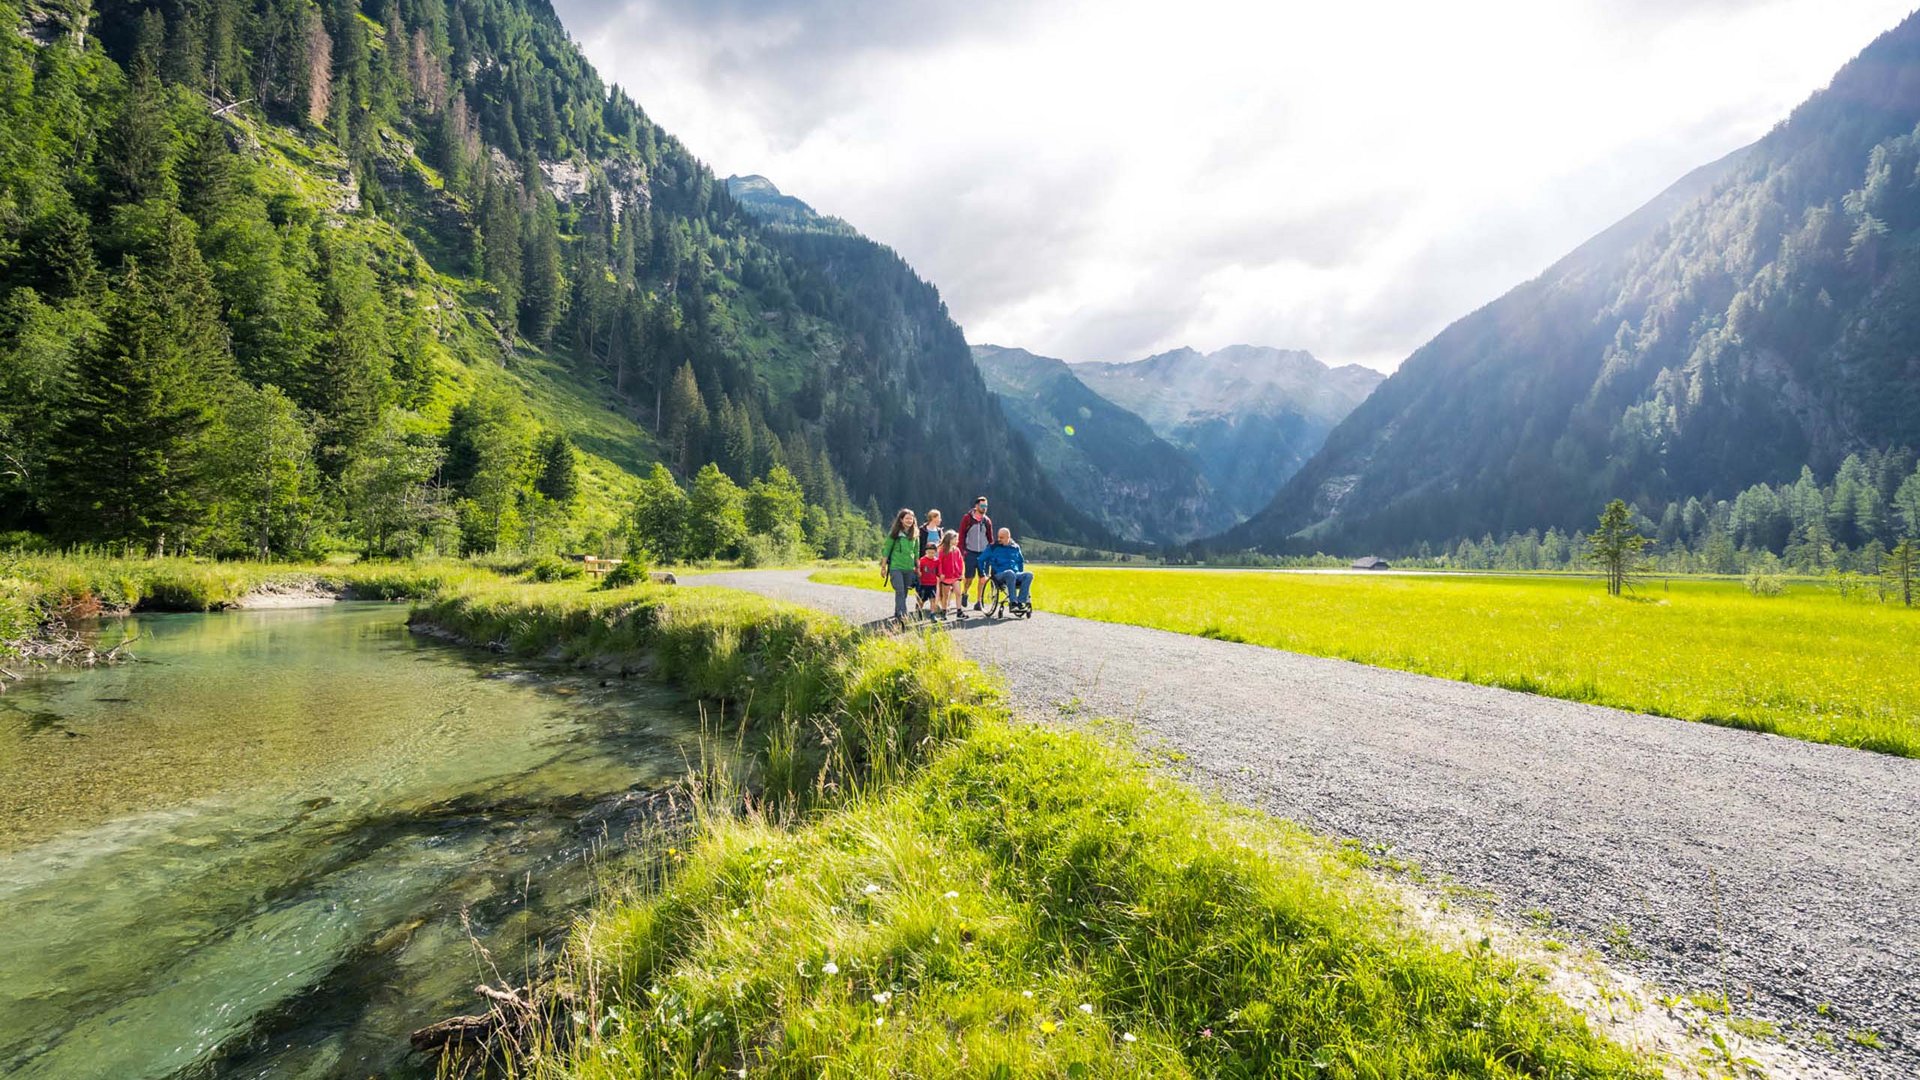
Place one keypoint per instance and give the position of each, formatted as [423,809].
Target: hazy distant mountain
[1248,415]
[1762,314]
[1103,458]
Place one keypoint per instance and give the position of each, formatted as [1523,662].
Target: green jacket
[901,553]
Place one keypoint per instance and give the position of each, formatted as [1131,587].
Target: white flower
[1026,993]
[883,997]
[879,1021]
[1086,1008]
[870,889]
[779,862]
[951,895]
[1127,1036]
[800,968]
[830,968]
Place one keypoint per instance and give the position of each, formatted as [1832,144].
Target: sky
[1105,180]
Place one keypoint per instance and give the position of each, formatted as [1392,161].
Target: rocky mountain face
[1102,457]
[1249,416]
[920,425]
[1760,316]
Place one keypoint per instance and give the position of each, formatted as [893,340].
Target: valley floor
[1775,873]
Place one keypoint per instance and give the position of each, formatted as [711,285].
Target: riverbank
[921,884]
[42,597]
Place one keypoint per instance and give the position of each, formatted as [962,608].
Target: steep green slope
[1103,458]
[1249,415]
[278,275]
[1756,318]
[905,391]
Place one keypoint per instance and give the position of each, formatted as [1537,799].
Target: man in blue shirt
[1003,562]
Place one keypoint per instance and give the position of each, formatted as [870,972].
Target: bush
[631,571]
[759,550]
[1765,585]
[553,568]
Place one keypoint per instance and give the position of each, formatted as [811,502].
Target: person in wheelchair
[1004,565]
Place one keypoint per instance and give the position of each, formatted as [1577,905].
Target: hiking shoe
[976,605]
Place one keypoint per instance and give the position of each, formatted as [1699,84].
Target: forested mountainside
[1760,318]
[1249,415]
[946,436]
[278,275]
[1100,456]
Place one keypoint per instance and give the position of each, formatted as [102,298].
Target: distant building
[1372,562]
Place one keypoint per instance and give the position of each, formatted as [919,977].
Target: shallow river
[283,839]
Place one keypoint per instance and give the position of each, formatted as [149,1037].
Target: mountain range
[1760,316]
[1178,445]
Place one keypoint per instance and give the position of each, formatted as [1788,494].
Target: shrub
[1764,585]
[631,571]
[553,568]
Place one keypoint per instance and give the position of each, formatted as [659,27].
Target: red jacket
[952,565]
[966,529]
[929,570]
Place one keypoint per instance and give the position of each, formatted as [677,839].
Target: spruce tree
[1615,547]
[132,463]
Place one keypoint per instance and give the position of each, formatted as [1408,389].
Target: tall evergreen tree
[133,447]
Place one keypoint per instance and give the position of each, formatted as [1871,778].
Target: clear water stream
[284,839]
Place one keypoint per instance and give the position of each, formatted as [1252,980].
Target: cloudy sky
[1102,180]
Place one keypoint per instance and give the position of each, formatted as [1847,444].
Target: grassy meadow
[909,883]
[1809,664]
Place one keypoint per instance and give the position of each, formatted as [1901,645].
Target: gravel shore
[1782,874]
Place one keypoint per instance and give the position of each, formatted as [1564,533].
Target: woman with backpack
[900,560]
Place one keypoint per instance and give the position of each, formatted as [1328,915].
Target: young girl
[930,532]
[952,567]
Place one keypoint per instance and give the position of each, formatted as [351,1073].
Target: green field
[1809,664]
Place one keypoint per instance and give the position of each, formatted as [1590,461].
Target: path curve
[1783,873]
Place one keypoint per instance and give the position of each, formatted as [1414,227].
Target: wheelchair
[1000,608]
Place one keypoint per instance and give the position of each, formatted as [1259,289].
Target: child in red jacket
[953,568]
[929,585]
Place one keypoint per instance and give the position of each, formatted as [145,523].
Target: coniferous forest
[279,276]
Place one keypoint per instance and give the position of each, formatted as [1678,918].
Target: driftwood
[56,643]
[514,1012]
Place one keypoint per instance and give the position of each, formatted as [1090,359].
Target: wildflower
[951,895]
[1048,1027]
[870,889]
[1026,993]
[1206,1033]
[883,997]
[1127,1037]
[800,969]
[1086,1007]
[879,1021]
[830,968]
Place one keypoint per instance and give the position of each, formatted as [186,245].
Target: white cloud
[1100,180]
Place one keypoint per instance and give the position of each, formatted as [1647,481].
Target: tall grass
[946,893]
[1810,664]
[839,711]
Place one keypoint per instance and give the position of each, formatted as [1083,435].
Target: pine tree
[1615,547]
[557,478]
[685,427]
[138,147]
[133,448]
[543,285]
[1901,567]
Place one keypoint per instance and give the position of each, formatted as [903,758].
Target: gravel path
[1784,873]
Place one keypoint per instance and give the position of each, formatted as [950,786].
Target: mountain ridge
[1249,415]
[1750,320]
